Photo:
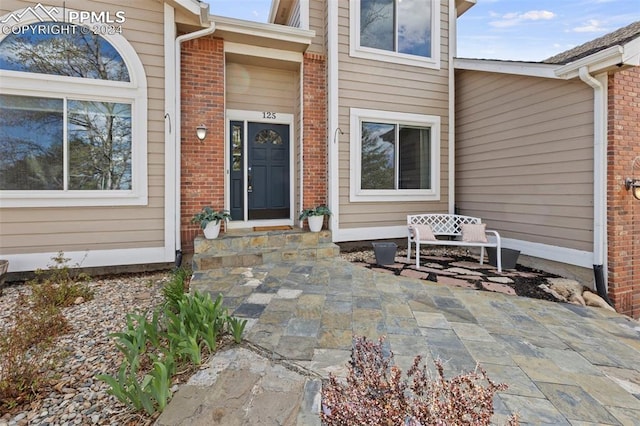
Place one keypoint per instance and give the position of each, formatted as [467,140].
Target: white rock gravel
[77,397]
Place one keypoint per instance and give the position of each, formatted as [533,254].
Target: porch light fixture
[201,132]
[634,185]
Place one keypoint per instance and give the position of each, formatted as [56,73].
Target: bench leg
[481,255]
[417,254]
[408,249]
[499,259]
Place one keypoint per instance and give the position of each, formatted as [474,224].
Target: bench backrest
[442,224]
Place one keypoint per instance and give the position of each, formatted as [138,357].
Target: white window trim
[357,51]
[356,193]
[77,88]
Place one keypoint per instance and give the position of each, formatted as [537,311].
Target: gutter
[204,18]
[599,180]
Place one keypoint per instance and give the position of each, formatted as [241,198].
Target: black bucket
[509,257]
[385,253]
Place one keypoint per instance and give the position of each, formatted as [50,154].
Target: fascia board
[599,61]
[257,29]
[631,55]
[506,67]
[192,6]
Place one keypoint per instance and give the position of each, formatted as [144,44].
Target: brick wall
[315,130]
[623,215]
[202,163]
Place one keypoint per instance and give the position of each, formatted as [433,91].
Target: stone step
[244,248]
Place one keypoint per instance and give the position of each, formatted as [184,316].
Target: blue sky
[521,30]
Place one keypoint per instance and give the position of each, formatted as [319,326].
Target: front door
[262,181]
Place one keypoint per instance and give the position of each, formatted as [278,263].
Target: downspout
[599,181]
[204,18]
[453,40]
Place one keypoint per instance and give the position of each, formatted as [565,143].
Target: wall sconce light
[634,185]
[201,132]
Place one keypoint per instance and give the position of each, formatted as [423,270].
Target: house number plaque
[269,114]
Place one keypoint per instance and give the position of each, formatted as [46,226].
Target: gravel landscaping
[75,396]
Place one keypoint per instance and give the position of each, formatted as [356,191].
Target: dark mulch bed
[526,281]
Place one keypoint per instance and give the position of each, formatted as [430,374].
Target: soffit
[273,36]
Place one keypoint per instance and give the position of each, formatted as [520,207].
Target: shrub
[376,394]
[37,320]
[58,285]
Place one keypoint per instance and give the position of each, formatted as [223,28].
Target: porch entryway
[260,190]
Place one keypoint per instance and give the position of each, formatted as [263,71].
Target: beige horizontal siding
[524,156]
[317,23]
[249,87]
[386,86]
[41,230]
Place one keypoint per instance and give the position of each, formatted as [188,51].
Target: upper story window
[58,48]
[400,31]
[73,114]
[394,155]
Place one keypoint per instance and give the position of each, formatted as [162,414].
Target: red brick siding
[315,130]
[623,215]
[202,163]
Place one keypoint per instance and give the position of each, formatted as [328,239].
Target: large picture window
[72,118]
[95,155]
[401,31]
[394,155]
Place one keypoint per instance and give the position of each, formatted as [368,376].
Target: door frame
[272,117]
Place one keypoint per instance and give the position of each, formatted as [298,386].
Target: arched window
[73,114]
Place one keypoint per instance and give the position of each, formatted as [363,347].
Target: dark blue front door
[268,171]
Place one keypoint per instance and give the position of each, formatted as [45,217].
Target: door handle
[249,178]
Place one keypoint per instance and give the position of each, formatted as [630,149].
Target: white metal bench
[448,225]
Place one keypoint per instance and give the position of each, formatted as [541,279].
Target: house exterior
[298,112]
[316,83]
[542,154]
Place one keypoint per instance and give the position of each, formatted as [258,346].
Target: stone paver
[564,364]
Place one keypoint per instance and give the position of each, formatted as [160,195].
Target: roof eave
[296,38]
[530,69]
[601,61]
[463,5]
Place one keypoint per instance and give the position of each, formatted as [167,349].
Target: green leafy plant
[375,393]
[174,290]
[208,214]
[186,329]
[236,325]
[321,210]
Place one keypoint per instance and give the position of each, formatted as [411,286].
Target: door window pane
[378,156]
[31,143]
[236,139]
[268,136]
[99,145]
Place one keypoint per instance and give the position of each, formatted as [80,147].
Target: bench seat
[450,227]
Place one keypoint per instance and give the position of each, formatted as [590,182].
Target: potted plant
[209,220]
[315,216]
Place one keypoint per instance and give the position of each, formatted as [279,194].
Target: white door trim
[272,117]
